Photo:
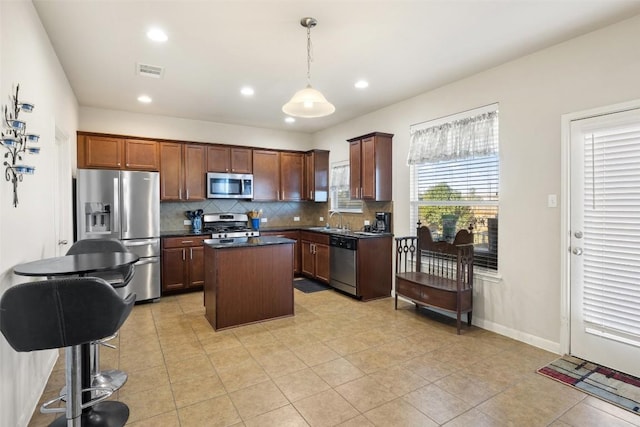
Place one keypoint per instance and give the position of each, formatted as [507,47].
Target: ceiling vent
[147,70]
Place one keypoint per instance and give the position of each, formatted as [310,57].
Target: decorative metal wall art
[14,140]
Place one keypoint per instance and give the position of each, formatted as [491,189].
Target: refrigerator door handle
[151,260]
[116,206]
[125,212]
[140,242]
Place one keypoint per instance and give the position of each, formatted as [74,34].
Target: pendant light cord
[309,55]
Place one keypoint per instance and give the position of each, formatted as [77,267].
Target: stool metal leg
[110,378]
[74,386]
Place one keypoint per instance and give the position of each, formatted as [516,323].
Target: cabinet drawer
[310,236]
[410,290]
[183,242]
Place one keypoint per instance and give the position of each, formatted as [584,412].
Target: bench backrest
[450,260]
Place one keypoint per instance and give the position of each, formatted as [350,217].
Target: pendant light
[308,102]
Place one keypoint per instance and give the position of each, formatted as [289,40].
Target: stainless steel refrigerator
[124,205]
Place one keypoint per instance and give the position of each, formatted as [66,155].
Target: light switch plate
[263,219]
[187,222]
[321,218]
[366,222]
[552,201]
[296,218]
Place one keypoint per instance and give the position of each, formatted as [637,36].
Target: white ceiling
[402,48]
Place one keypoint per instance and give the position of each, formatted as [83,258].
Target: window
[454,167]
[340,195]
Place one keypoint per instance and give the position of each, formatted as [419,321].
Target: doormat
[309,286]
[612,386]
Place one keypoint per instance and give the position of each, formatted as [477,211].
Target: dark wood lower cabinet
[314,256]
[248,284]
[182,264]
[293,235]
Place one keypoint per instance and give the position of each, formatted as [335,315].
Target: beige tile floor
[337,362]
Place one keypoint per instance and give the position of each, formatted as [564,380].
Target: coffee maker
[382,222]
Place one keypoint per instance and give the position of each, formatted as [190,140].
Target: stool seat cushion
[61,313]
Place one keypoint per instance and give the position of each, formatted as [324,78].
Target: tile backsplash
[278,214]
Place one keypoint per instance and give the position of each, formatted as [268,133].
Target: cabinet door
[171,178]
[194,172]
[368,169]
[354,169]
[307,264]
[141,155]
[291,176]
[316,176]
[196,266]
[102,152]
[323,267]
[174,271]
[266,175]
[241,160]
[218,159]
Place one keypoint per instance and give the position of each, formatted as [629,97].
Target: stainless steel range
[228,226]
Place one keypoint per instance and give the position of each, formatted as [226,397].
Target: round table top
[76,264]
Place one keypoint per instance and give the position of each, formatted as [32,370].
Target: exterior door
[605,240]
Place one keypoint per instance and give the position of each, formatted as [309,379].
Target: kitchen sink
[366,233]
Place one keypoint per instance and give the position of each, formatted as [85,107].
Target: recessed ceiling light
[290,120]
[144,99]
[361,84]
[247,91]
[157,35]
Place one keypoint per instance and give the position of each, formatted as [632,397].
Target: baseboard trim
[38,389]
[536,341]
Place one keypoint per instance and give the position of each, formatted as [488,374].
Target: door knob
[578,234]
[62,242]
[577,251]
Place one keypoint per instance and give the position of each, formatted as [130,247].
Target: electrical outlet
[321,218]
[263,219]
[367,222]
[296,218]
[552,201]
[187,222]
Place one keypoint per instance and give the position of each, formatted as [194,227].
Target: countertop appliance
[124,205]
[343,262]
[382,223]
[228,225]
[229,186]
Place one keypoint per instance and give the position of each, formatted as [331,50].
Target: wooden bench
[436,274]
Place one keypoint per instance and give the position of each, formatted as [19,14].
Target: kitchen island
[247,280]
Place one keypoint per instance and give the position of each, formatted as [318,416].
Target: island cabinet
[316,170]
[182,172]
[107,152]
[293,235]
[182,263]
[225,159]
[314,256]
[278,176]
[370,167]
[248,283]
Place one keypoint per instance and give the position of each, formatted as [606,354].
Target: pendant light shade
[308,102]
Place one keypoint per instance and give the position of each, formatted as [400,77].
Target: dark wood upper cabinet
[182,172]
[229,159]
[105,152]
[370,166]
[291,176]
[316,183]
[266,175]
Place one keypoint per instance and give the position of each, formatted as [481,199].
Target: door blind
[612,233]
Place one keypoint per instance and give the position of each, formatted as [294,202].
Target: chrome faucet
[332,213]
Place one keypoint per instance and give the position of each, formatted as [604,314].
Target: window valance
[463,138]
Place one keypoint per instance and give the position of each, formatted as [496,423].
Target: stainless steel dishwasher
[343,263]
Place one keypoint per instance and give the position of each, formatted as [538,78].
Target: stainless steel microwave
[229,186]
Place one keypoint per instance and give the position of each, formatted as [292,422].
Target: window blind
[612,234]
[340,189]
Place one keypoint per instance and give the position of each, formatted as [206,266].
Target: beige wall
[597,69]
[27,232]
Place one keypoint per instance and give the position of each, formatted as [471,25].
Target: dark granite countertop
[335,231]
[247,242]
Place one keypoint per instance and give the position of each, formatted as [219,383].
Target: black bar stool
[118,278]
[68,313]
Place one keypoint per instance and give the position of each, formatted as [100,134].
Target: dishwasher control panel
[344,242]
